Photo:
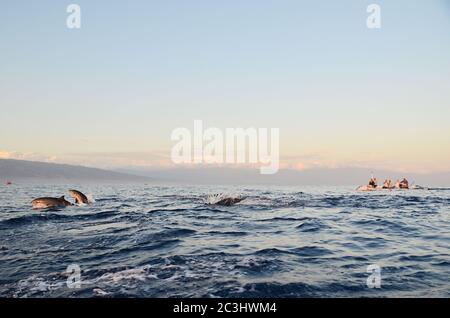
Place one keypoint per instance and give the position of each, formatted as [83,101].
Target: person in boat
[387,184]
[404,184]
[373,182]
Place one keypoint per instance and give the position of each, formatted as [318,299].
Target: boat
[366,188]
[8,182]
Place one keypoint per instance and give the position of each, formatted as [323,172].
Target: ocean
[166,241]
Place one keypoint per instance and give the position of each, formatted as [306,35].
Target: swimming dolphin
[229,201]
[79,197]
[45,203]
[224,200]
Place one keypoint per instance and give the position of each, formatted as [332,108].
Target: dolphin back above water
[79,197]
[229,201]
[47,202]
[224,200]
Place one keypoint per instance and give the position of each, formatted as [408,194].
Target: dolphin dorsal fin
[62,198]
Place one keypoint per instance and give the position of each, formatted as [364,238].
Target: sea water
[167,241]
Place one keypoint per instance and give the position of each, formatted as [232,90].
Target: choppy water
[164,241]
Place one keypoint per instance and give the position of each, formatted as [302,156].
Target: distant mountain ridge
[350,176]
[12,169]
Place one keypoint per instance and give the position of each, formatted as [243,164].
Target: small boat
[366,188]
[8,182]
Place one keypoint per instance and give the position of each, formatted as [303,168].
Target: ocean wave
[32,218]
[167,242]
[312,225]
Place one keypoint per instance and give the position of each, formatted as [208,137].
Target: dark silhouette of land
[15,170]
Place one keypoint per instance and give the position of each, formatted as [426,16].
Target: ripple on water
[151,241]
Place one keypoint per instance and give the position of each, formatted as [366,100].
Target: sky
[110,94]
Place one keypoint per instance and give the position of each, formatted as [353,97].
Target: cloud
[162,160]
[306,161]
[32,156]
[5,154]
[118,159]
[146,160]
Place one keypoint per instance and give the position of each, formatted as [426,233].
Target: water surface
[165,241]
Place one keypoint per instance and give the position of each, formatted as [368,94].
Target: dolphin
[45,203]
[229,201]
[224,200]
[79,197]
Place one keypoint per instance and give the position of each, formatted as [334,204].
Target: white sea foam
[140,274]
[215,198]
[90,198]
[36,285]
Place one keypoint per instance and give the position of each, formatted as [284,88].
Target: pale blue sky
[138,69]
